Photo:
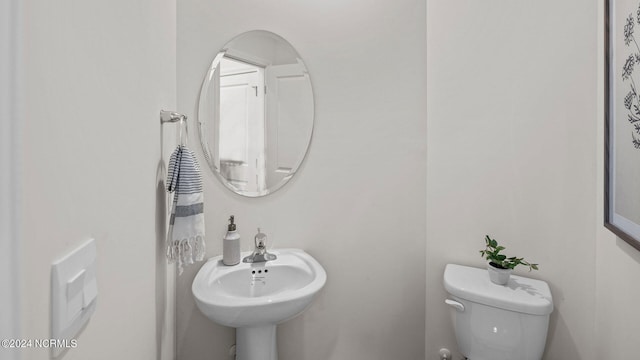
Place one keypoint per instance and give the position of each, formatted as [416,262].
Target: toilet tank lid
[520,294]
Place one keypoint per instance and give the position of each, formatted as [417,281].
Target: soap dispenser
[231,245]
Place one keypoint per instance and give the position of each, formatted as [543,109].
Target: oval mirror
[255,113]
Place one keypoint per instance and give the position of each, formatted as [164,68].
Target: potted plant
[500,266]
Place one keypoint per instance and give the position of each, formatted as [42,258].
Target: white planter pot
[498,276]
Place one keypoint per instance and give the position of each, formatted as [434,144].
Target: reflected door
[289,103]
[241,136]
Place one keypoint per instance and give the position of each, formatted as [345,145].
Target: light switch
[75,284]
[74,291]
[89,292]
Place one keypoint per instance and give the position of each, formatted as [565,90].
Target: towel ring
[172,117]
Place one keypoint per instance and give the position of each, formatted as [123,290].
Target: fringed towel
[185,239]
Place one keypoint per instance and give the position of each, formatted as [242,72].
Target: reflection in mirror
[256,113]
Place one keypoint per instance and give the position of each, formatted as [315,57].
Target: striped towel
[185,239]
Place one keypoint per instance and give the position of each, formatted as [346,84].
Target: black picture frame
[622,120]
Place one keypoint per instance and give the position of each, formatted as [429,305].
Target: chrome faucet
[260,253]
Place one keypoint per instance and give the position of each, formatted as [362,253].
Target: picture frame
[622,120]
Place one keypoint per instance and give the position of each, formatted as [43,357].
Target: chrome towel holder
[167,116]
[171,116]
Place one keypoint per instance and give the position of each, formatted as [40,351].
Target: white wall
[358,202]
[96,76]
[515,150]
[10,121]
[512,134]
[617,263]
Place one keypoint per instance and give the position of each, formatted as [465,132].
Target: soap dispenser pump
[231,244]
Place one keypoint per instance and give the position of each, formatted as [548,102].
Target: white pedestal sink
[255,297]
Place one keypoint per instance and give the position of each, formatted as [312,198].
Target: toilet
[497,322]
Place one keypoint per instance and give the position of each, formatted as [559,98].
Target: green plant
[492,254]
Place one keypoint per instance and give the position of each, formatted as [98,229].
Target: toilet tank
[498,322]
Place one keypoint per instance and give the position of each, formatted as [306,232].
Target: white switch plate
[74,292]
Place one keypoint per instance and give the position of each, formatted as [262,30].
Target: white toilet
[496,322]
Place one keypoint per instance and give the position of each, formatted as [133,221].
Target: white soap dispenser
[231,245]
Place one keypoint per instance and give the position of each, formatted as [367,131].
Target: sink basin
[255,297]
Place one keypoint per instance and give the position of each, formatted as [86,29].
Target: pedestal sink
[254,298]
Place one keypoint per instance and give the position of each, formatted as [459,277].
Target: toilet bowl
[496,322]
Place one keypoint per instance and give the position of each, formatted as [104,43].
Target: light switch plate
[74,292]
